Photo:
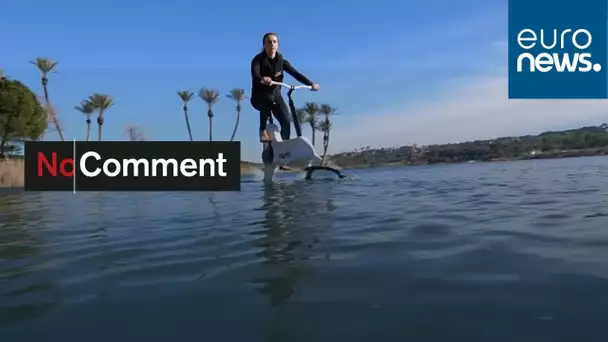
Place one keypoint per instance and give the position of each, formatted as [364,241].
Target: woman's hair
[266,35]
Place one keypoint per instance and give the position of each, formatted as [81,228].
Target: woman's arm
[295,74]
[255,70]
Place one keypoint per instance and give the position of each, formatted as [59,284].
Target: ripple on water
[505,243]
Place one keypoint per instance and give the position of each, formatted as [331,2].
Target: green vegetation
[21,115]
[585,141]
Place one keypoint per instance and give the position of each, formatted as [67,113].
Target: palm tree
[49,114]
[237,95]
[101,102]
[210,96]
[135,133]
[325,125]
[47,66]
[186,96]
[312,110]
[327,111]
[87,108]
[302,116]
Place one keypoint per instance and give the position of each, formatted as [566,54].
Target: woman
[268,66]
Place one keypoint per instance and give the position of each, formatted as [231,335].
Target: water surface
[513,251]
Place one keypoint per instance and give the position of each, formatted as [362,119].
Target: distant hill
[247,166]
[584,141]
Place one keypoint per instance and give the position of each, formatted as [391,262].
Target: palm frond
[211,96]
[312,108]
[185,95]
[328,110]
[45,65]
[325,126]
[237,94]
[135,133]
[301,115]
[86,107]
[101,101]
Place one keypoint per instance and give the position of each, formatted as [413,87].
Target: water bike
[278,152]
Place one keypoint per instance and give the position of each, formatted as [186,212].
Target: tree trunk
[188,122]
[210,128]
[99,125]
[88,130]
[49,109]
[325,145]
[2,146]
[312,128]
[236,124]
[8,126]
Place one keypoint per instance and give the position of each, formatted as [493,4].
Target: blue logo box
[558,49]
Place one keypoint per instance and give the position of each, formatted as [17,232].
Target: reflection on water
[294,218]
[475,252]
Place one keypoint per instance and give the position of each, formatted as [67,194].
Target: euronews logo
[557,50]
[556,43]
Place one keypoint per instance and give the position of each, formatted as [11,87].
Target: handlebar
[289,86]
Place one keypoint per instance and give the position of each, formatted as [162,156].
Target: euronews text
[561,61]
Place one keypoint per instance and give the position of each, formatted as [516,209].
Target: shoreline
[12,173]
[12,170]
[596,152]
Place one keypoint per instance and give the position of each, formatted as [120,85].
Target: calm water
[513,251]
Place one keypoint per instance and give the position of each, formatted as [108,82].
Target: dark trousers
[273,105]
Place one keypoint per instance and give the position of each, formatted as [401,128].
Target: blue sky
[372,60]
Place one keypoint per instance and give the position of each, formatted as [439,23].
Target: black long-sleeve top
[264,66]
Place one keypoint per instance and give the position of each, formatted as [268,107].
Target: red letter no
[52,168]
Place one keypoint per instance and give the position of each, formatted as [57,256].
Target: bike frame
[292,106]
[268,153]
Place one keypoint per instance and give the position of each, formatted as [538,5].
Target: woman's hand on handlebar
[266,80]
[315,87]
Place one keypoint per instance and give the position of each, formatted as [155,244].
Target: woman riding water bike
[266,67]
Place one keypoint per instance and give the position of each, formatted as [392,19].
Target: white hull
[288,151]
